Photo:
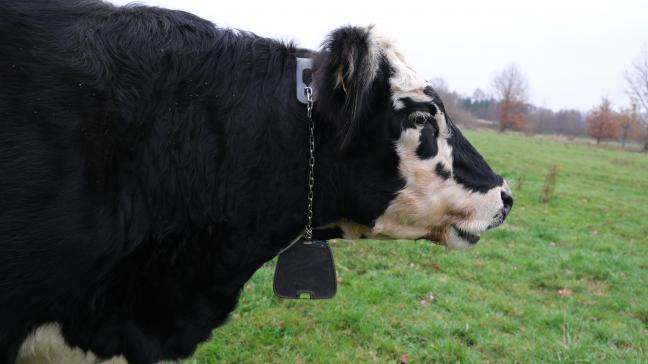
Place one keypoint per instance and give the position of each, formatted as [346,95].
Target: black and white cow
[151,162]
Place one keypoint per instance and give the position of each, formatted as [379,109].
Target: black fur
[428,147]
[441,171]
[468,166]
[151,163]
[343,67]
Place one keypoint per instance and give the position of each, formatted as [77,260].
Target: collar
[303,78]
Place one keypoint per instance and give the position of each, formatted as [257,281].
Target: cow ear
[345,71]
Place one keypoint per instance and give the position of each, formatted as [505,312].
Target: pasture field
[560,282]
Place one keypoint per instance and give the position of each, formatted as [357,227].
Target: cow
[151,162]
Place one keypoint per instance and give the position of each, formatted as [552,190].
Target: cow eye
[420,119]
[420,122]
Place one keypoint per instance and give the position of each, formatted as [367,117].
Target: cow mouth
[471,238]
[441,236]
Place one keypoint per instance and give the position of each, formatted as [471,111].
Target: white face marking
[46,345]
[405,82]
[429,206]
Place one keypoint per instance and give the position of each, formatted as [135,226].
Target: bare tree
[628,117]
[637,79]
[542,120]
[570,122]
[452,102]
[511,90]
[440,85]
[479,95]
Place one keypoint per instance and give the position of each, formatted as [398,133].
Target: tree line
[508,108]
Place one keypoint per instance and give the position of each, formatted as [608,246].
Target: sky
[572,52]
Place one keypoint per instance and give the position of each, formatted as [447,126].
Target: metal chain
[311,163]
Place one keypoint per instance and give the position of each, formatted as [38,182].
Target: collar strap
[304,78]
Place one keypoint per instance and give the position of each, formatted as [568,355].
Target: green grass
[565,281]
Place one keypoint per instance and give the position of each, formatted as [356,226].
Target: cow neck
[305,95]
[324,214]
[305,269]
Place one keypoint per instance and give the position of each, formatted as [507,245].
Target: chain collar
[311,162]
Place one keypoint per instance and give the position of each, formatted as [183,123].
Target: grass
[560,282]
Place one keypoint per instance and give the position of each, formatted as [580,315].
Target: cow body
[148,169]
[151,163]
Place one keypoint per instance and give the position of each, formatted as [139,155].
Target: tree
[479,95]
[452,102]
[481,105]
[628,117]
[602,123]
[511,91]
[440,85]
[638,133]
[542,120]
[570,122]
[637,79]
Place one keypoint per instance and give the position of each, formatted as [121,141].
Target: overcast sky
[572,52]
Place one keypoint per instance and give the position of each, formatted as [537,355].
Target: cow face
[404,170]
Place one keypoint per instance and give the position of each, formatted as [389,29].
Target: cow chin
[461,239]
[451,236]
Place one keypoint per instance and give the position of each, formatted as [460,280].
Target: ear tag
[306,270]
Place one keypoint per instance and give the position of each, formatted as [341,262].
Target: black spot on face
[428,146]
[441,171]
[469,167]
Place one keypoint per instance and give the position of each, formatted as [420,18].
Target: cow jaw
[432,205]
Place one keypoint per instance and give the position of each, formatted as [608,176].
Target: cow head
[403,169]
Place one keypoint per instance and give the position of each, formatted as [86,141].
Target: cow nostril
[507,199]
